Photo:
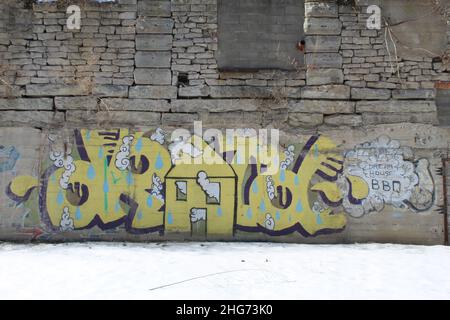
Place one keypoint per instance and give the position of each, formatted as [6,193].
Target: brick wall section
[123,68]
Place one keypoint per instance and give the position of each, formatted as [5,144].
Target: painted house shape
[201,200]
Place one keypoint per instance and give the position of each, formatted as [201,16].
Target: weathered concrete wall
[142,65]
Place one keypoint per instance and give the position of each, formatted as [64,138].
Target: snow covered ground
[223,271]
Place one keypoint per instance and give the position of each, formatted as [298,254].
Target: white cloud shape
[198,214]
[64,160]
[180,146]
[269,223]
[212,189]
[122,158]
[158,136]
[66,223]
[289,157]
[270,187]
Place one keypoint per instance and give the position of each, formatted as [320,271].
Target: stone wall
[147,64]
[165,52]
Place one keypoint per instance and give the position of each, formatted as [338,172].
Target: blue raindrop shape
[150,201]
[91,172]
[316,151]
[219,212]
[249,213]
[78,214]
[159,163]
[139,215]
[129,178]
[255,187]
[318,219]
[239,159]
[53,178]
[296,180]
[282,175]
[277,215]
[105,187]
[262,206]
[100,153]
[139,145]
[290,218]
[60,198]
[169,218]
[117,207]
[88,135]
[299,207]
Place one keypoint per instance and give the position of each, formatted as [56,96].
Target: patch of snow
[223,271]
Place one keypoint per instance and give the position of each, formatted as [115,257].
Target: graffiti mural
[389,177]
[145,184]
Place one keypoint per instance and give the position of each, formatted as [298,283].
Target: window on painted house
[260,34]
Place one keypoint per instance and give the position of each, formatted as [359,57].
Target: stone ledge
[193,91]
[383,118]
[119,118]
[107,90]
[352,120]
[137,105]
[32,118]
[370,94]
[179,119]
[76,103]
[328,92]
[233,119]
[305,120]
[322,106]
[315,77]
[45,90]
[395,106]
[219,105]
[153,92]
[414,94]
[33,104]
